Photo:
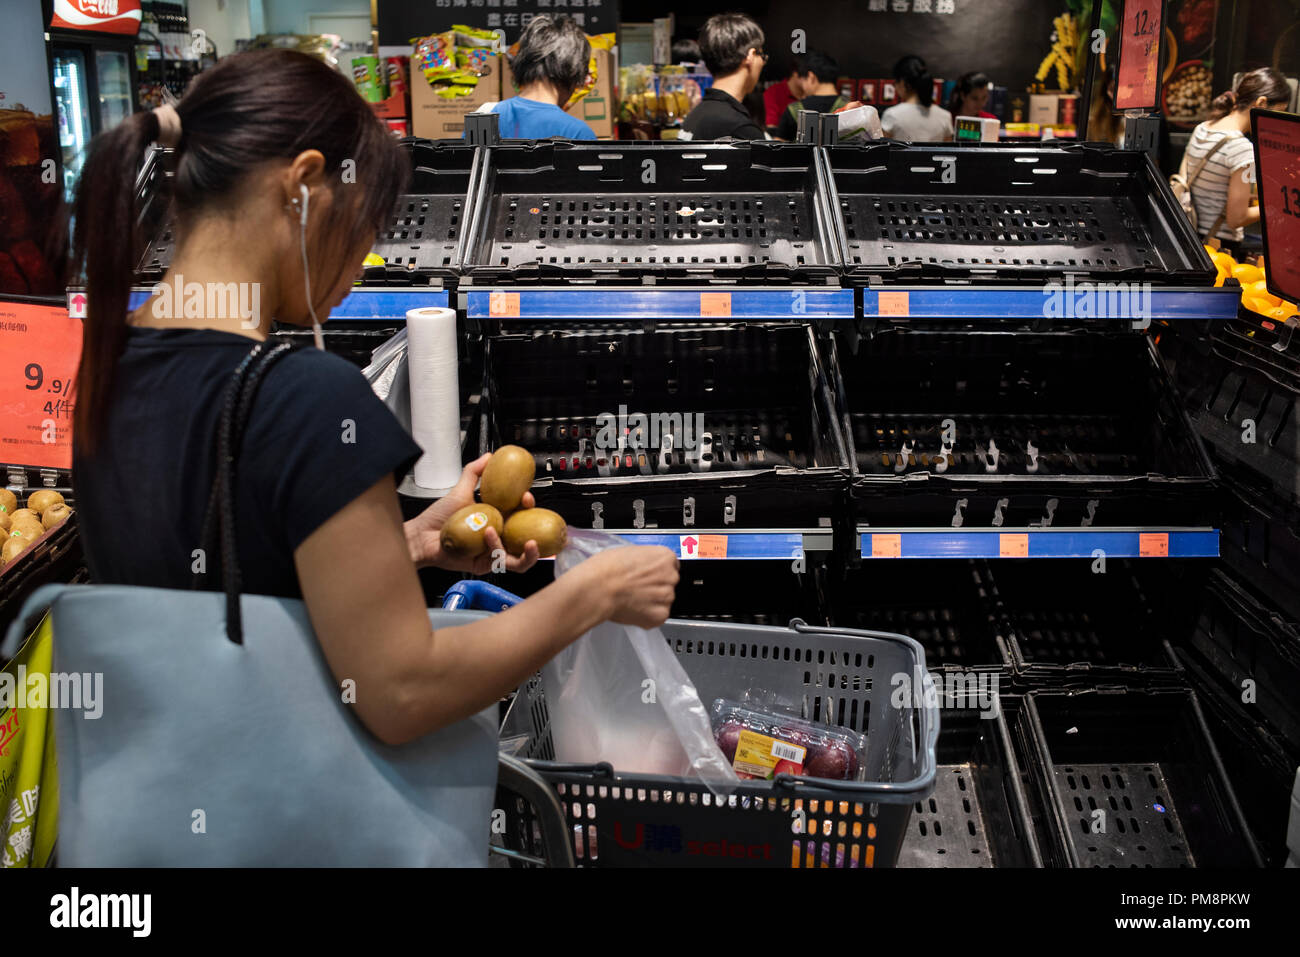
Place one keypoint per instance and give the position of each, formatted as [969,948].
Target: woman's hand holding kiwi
[430,546]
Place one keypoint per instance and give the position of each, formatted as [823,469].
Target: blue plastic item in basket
[872,682]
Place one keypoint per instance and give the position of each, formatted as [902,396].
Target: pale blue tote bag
[223,738]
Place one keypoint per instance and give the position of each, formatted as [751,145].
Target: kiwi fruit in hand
[41,500]
[506,477]
[462,534]
[8,501]
[55,514]
[13,547]
[541,525]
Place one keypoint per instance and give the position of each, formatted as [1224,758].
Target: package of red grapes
[763,742]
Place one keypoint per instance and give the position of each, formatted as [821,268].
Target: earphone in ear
[306,276]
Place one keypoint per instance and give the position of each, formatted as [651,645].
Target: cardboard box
[437,118]
[599,108]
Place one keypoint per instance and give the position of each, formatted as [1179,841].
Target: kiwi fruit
[13,547]
[26,513]
[506,477]
[40,501]
[5,522]
[541,525]
[28,531]
[8,501]
[55,514]
[462,534]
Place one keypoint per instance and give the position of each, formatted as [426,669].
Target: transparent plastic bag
[619,694]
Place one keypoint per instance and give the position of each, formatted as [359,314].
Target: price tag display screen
[40,347]
[1277,175]
[1141,38]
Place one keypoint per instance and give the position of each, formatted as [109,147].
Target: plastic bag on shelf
[618,694]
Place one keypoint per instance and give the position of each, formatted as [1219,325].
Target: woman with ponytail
[917,118]
[1219,161]
[282,179]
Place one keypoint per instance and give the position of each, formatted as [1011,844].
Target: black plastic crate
[1261,537]
[1011,213]
[1245,640]
[1243,396]
[1062,620]
[353,340]
[978,814]
[421,242]
[1048,429]
[766,450]
[1260,761]
[676,211]
[1144,759]
[944,604]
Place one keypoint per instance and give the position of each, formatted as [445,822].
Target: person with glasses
[732,47]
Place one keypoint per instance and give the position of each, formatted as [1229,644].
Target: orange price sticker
[503,305]
[713,546]
[886,546]
[715,304]
[40,347]
[894,304]
[1153,544]
[1013,545]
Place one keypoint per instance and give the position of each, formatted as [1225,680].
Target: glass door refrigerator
[92,59]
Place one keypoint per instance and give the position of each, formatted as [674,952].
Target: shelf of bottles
[167,53]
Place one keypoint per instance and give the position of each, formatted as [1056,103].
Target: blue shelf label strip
[367,305]
[637,303]
[1134,302]
[1029,543]
[762,545]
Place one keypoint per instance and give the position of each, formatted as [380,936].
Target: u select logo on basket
[668,839]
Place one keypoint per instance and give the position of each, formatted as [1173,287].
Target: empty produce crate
[1132,779]
[977,815]
[420,243]
[715,426]
[638,820]
[675,211]
[988,430]
[946,605]
[1011,213]
[1065,620]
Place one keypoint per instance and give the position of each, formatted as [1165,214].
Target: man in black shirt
[820,93]
[732,47]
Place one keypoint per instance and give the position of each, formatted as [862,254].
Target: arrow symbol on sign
[689,543]
[78,300]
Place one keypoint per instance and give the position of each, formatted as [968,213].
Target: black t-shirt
[720,114]
[788,127]
[317,438]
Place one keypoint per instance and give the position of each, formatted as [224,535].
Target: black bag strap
[219,518]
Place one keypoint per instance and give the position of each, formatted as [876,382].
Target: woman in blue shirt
[551,63]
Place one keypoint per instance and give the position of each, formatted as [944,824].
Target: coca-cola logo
[99,16]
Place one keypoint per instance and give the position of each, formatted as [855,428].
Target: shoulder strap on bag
[1205,161]
[219,520]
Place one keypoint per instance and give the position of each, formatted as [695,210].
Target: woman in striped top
[1222,189]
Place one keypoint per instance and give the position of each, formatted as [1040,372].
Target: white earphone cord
[306,277]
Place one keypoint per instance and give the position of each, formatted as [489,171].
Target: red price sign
[1142,31]
[40,347]
[1277,174]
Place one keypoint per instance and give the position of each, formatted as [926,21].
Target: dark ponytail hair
[249,109]
[967,84]
[1266,82]
[913,71]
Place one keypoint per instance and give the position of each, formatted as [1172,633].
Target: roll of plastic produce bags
[618,694]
